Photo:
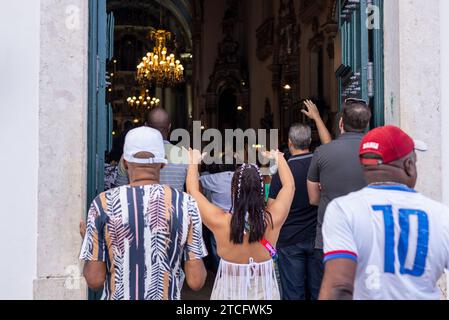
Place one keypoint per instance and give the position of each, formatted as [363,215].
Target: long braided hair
[248,205]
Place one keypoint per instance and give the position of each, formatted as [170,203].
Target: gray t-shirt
[219,187]
[336,166]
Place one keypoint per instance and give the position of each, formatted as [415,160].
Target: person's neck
[143,182]
[352,132]
[165,134]
[384,176]
[299,152]
[386,183]
[144,178]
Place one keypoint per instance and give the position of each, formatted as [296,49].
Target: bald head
[159,119]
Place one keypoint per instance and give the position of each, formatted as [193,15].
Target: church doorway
[248,64]
[120,38]
[122,34]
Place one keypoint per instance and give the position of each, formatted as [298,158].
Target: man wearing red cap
[386,242]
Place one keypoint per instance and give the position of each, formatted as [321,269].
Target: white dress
[253,281]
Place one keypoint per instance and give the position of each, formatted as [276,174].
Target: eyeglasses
[355,100]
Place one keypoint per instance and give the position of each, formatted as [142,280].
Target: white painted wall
[63,78]
[391,63]
[444,41]
[412,85]
[19,103]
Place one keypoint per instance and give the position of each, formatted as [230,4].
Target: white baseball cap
[144,139]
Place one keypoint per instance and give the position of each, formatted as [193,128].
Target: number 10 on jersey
[419,265]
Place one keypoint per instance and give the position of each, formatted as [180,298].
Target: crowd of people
[342,222]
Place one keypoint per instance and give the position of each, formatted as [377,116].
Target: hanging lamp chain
[160,14]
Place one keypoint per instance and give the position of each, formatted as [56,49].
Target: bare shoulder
[221,225]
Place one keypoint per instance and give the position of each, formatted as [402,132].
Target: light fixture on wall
[287,87]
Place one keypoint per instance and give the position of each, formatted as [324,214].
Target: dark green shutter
[101,44]
[360,74]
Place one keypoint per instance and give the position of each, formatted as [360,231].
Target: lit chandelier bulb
[160,65]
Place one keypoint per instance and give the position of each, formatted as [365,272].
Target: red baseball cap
[390,143]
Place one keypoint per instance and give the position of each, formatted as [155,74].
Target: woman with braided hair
[246,235]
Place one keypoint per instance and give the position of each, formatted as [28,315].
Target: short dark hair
[356,116]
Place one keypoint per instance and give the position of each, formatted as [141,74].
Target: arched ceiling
[181,10]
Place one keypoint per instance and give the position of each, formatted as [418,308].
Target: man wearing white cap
[137,235]
[174,172]
[387,241]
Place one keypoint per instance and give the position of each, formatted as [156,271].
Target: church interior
[244,63]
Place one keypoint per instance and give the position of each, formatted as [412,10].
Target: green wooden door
[101,30]
[360,74]
[101,27]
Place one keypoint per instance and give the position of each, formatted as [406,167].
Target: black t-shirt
[300,226]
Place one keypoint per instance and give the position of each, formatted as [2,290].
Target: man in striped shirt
[175,172]
[138,235]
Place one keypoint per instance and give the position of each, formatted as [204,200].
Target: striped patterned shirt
[142,234]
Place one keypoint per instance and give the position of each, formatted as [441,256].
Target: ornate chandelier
[144,100]
[160,66]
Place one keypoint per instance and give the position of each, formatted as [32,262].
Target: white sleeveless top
[253,281]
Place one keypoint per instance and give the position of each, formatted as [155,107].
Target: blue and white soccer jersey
[398,237]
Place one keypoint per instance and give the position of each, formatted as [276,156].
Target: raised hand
[195,157]
[312,110]
[313,113]
[272,155]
